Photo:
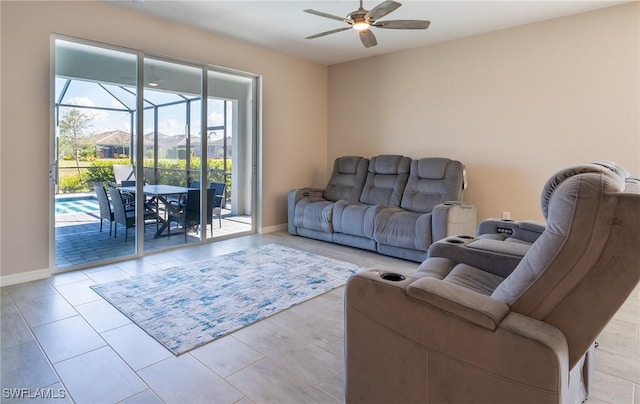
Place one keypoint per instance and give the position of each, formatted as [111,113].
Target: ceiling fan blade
[325,15]
[382,9]
[333,31]
[402,24]
[368,39]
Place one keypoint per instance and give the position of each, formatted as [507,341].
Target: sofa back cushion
[432,181]
[347,179]
[386,180]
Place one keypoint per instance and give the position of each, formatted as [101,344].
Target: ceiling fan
[361,20]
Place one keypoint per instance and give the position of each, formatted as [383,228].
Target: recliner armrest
[292,199]
[307,193]
[393,341]
[526,230]
[459,301]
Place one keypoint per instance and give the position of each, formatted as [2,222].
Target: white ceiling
[282,25]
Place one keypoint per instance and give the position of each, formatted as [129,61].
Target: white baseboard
[272,229]
[6,280]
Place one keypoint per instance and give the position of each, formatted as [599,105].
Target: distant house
[117,144]
[167,145]
[215,148]
[113,144]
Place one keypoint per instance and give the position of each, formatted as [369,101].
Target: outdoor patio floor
[79,240]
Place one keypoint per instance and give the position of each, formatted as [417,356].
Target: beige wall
[514,105]
[294,124]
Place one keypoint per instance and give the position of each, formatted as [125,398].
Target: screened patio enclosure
[116,106]
[117,103]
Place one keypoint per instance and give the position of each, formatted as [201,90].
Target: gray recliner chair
[353,221]
[310,210]
[424,214]
[479,326]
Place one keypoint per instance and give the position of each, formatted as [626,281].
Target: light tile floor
[59,336]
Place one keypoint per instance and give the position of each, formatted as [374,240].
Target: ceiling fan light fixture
[360,25]
[361,20]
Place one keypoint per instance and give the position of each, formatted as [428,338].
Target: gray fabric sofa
[390,204]
[516,324]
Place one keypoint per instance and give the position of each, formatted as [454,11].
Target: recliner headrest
[432,168]
[348,164]
[608,168]
[613,166]
[389,164]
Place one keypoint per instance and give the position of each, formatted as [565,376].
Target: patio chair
[128,198]
[150,203]
[105,207]
[187,214]
[218,201]
[126,217]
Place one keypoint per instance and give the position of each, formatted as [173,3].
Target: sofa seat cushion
[354,218]
[402,228]
[468,276]
[502,237]
[314,214]
[473,278]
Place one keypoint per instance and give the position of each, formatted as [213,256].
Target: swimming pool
[77,204]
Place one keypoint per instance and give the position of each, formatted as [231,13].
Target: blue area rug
[187,306]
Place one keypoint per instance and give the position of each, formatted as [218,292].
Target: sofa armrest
[452,218]
[292,199]
[526,230]
[459,302]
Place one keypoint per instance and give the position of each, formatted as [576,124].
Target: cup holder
[454,241]
[466,237]
[393,277]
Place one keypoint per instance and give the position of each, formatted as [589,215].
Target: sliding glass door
[172,127]
[184,168]
[231,149]
[94,120]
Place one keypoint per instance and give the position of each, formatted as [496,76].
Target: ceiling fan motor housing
[357,16]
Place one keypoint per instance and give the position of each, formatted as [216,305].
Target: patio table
[160,193]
